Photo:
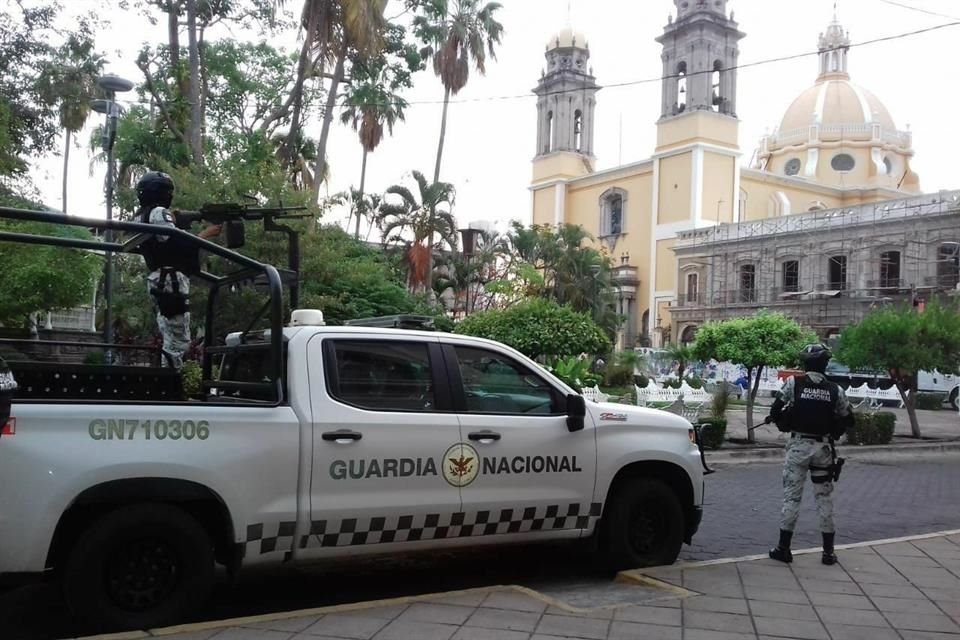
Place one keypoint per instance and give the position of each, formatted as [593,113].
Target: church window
[578,130]
[890,269]
[948,265]
[681,87]
[717,99]
[888,165]
[792,167]
[748,283]
[612,213]
[838,272]
[548,147]
[791,276]
[843,162]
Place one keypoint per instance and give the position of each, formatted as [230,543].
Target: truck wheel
[644,525]
[954,399]
[139,567]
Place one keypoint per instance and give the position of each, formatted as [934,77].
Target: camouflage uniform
[175,329]
[7,386]
[801,455]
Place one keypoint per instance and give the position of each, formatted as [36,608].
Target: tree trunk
[327,120]
[753,384]
[360,202]
[66,169]
[290,144]
[436,178]
[196,122]
[908,392]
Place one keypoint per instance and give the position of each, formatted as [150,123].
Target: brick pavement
[907,590]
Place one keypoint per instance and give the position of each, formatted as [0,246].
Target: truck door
[382,418]
[520,469]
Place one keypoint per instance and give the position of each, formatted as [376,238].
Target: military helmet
[155,188]
[816,356]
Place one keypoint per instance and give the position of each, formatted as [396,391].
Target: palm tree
[455,33]
[332,29]
[363,205]
[682,354]
[370,104]
[421,218]
[76,82]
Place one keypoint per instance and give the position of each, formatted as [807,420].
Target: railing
[815,132]
[887,283]
[948,281]
[691,299]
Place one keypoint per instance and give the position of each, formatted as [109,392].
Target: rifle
[233,215]
[836,464]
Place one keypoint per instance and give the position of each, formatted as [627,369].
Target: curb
[850,452]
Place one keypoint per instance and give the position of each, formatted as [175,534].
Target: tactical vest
[173,253]
[814,406]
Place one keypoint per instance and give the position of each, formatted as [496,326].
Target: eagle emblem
[461,466]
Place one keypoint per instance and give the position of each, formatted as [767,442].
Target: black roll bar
[247,268]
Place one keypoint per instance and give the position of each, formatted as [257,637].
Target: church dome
[567,37]
[836,101]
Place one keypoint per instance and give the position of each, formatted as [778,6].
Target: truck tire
[139,567]
[643,525]
[954,399]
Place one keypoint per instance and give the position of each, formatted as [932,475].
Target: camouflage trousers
[801,455]
[175,330]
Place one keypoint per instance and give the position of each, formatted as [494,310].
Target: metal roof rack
[402,321]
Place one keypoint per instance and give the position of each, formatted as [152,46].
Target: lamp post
[468,237]
[111,85]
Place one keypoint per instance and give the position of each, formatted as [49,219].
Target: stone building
[836,147]
[825,269]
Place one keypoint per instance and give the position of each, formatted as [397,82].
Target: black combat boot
[829,557]
[782,550]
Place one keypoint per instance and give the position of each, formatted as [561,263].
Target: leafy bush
[713,432]
[94,357]
[931,401]
[192,377]
[538,327]
[694,382]
[872,428]
[720,402]
[618,373]
[641,380]
[575,372]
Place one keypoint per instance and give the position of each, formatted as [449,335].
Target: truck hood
[608,414]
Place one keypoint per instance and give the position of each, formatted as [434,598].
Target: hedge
[872,428]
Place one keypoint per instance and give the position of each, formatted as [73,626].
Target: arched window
[689,335]
[612,212]
[837,267]
[748,283]
[717,97]
[578,130]
[792,167]
[948,265]
[791,276]
[887,165]
[681,87]
[548,145]
[843,162]
[693,288]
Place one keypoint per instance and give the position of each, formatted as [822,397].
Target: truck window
[495,383]
[381,375]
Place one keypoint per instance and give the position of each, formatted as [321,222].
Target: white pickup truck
[388,441]
[308,442]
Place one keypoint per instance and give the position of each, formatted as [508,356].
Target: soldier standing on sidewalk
[815,412]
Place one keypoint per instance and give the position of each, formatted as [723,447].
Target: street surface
[873,501]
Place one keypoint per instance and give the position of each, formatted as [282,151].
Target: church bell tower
[566,101]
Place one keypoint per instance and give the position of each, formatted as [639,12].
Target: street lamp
[468,238]
[111,85]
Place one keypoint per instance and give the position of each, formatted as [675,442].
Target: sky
[491,130]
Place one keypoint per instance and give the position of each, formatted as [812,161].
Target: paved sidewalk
[901,590]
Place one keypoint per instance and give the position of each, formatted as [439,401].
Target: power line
[918,9]
[633,83]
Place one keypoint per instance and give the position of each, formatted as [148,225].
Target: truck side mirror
[576,411]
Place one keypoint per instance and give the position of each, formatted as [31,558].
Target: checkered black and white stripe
[268,538]
[436,526]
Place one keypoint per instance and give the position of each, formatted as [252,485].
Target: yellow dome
[836,101]
[567,37]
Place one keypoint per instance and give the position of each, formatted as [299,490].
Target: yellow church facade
[836,146]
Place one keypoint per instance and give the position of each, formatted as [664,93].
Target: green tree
[456,33]
[74,84]
[764,340]
[43,278]
[415,220]
[538,328]
[903,342]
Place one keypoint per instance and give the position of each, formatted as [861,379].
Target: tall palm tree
[76,83]
[369,105]
[455,33]
[415,221]
[332,29]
